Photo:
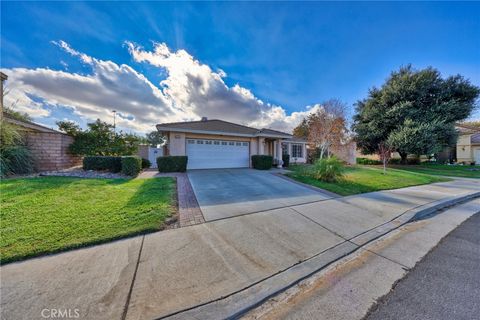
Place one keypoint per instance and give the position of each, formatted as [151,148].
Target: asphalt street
[444,285]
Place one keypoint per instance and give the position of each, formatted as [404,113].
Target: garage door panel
[209,154]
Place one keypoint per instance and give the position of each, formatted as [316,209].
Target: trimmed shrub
[327,169]
[409,161]
[112,164]
[131,165]
[262,162]
[366,161]
[172,163]
[286,160]
[146,163]
[414,161]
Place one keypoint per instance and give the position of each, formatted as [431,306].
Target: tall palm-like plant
[15,158]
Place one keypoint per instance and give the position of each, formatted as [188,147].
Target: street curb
[237,304]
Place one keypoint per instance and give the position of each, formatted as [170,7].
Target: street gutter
[237,304]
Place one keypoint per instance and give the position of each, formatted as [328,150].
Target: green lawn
[50,214]
[360,179]
[443,170]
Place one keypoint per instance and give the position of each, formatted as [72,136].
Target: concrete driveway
[223,193]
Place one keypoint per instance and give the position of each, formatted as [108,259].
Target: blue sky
[278,58]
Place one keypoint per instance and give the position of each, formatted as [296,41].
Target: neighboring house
[49,147]
[468,144]
[221,144]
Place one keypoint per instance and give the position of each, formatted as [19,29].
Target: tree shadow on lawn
[155,192]
[146,199]
[35,184]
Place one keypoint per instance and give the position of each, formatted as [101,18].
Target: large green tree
[100,139]
[155,138]
[414,112]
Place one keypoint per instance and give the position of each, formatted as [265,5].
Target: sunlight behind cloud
[189,91]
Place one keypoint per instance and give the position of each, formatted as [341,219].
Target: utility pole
[114,116]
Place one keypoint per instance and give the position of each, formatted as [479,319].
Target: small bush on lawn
[172,163]
[146,163]
[131,165]
[112,164]
[327,169]
[286,160]
[262,162]
[366,161]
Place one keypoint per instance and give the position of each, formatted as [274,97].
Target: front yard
[50,214]
[463,171]
[360,179]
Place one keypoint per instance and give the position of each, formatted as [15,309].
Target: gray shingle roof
[270,131]
[220,126]
[475,139]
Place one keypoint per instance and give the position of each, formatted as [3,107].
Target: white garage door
[477,157]
[209,154]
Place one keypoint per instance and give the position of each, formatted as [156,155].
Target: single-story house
[220,144]
[468,144]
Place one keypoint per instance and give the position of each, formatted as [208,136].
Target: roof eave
[31,125]
[269,135]
[222,133]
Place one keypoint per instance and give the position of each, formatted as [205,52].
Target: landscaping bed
[50,214]
[359,179]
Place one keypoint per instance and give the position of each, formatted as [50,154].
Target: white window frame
[295,152]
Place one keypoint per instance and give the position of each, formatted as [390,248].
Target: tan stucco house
[468,144]
[220,144]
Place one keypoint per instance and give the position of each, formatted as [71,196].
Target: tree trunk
[403,155]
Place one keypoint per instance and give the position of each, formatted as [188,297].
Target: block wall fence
[50,151]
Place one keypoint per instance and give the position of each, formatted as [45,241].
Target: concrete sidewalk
[350,287]
[166,272]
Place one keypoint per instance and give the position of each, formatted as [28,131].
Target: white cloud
[190,90]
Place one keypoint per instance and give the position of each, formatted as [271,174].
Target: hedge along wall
[50,150]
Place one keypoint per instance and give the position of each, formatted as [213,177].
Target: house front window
[297,150]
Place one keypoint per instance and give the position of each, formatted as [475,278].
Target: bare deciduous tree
[327,126]
[385,153]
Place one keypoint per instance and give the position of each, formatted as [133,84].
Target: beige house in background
[468,144]
[216,143]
